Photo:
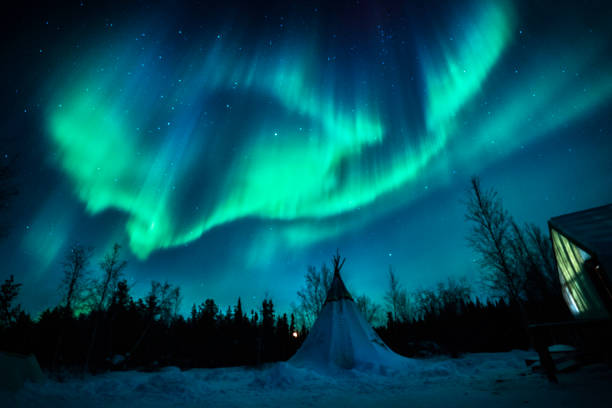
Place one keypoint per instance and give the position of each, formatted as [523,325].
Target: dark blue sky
[228,147]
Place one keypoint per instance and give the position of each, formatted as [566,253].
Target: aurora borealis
[229,147]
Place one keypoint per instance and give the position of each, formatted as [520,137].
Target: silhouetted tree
[176,298]
[312,296]
[448,297]
[238,314]
[112,268]
[121,311]
[75,285]
[121,296]
[368,309]
[292,327]
[283,336]
[491,238]
[209,311]
[9,312]
[452,322]
[541,246]
[397,299]
[158,305]
[267,329]
[535,285]
[454,291]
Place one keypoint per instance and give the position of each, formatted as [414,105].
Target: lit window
[578,289]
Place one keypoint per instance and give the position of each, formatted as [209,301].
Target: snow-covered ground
[494,380]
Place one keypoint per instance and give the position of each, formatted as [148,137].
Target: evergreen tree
[121,297]
[238,314]
[267,329]
[8,292]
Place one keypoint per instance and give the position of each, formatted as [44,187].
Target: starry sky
[229,145]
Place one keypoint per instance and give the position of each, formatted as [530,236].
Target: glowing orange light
[295,334]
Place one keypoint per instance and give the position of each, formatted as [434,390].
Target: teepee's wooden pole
[337,263]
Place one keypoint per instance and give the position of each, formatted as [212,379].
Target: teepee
[16,369]
[341,337]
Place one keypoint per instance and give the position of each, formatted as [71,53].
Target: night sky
[227,146]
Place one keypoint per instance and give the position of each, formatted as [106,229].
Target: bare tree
[447,295]
[75,289]
[491,238]
[160,302]
[112,269]
[529,264]
[426,302]
[455,290]
[369,309]
[168,297]
[106,287]
[544,253]
[522,251]
[393,294]
[75,283]
[312,296]
[177,299]
[397,299]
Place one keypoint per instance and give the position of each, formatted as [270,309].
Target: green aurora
[227,147]
[132,139]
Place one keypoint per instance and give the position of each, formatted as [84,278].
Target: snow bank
[497,379]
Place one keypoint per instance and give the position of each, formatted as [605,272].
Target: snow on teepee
[341,337]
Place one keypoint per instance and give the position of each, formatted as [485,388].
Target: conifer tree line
[99,325]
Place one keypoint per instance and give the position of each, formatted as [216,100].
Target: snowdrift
[501,380]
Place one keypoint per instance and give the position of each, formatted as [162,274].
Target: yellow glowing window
[578,289]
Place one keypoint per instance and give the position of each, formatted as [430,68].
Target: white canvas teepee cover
[15,369]
[341,337]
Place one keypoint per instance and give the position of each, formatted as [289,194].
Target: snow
[498,379]
[341,338]
[561,348]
